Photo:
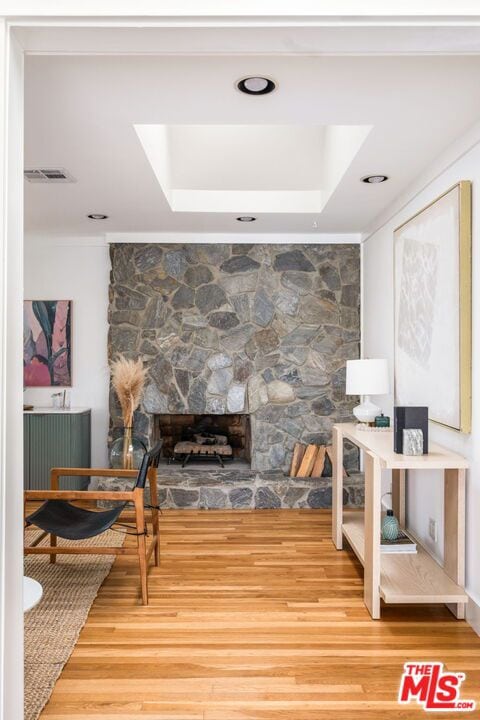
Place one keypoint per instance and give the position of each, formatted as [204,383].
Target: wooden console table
[401,578]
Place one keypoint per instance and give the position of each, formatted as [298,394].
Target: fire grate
[203,446]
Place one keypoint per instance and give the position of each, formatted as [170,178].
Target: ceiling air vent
[48,175]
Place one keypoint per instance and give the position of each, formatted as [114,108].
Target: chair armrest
[56,473]
[78,495]
[102,472]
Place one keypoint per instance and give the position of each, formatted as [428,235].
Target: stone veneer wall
[263,329]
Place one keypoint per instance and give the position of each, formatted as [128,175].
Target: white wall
[11,421]
[425,490]
[76,269]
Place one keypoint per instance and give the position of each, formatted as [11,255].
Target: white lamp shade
[367,377]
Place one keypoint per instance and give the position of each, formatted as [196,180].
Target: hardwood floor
[252,615]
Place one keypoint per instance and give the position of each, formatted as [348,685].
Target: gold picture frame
[456,202]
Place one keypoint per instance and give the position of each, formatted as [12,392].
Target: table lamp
[367,377]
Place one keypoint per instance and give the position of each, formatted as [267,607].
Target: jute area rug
[53,626]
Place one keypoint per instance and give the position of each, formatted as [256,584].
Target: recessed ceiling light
[256,85]
[374,179]
[246,218]
[97,216]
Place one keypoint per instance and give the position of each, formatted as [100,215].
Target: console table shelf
[401,577]
[404,577]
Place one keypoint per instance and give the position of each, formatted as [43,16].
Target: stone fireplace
[230,331]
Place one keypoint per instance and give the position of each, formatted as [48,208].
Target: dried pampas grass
[128,381]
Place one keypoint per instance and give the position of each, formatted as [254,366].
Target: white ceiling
[81,112]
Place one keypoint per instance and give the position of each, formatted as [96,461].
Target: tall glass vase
[126,452]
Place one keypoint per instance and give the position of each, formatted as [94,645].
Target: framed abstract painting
[433,314]
[47,343]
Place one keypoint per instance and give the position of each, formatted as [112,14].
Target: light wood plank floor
[253,615]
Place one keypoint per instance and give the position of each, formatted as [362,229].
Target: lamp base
[367,411]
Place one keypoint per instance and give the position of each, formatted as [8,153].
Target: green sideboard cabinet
[56,438]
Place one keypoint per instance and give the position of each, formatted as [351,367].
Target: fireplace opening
[192,439]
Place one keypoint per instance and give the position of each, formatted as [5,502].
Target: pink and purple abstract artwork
[46,343]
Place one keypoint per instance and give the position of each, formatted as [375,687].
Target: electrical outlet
[432,529]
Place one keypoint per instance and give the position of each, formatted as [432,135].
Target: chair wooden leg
[152,480]
[156,534]
[53,543]
[141,543]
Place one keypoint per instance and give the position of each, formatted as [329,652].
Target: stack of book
[403,544]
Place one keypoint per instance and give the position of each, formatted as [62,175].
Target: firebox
[217,438]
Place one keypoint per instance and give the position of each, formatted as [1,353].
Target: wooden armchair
[57,516]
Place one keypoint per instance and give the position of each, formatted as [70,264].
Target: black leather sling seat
[71,522]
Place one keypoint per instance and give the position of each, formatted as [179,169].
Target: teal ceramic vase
[390,526]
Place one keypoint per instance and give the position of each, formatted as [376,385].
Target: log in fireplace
[218,438]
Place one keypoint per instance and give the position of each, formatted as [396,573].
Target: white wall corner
[449,157]
[473,614]
[11,348]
